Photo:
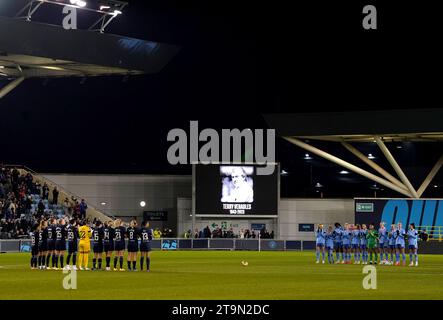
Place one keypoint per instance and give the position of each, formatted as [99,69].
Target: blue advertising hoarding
[423,212]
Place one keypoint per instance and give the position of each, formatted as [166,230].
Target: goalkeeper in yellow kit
[85,234]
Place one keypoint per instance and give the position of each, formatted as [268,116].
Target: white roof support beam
[10,86]
[430,176]
[373,165]
[396,167]
[348,166]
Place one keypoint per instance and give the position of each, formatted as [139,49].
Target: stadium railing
[435,233]
[167,244]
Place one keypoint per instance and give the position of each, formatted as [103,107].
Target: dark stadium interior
[238,61]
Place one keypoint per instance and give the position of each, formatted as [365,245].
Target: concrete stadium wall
[123,193]
[292,213]
[327,211]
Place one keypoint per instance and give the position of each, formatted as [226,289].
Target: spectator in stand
[196,234]
[41,208]
[55,196]
[83,207]
[424,235]
[157,233]
[2,191]
[15,175]
[76,209]
[28,205]
[207,232]
[28,181]
[37,189]
[67,206]
[271,236]
[45,192]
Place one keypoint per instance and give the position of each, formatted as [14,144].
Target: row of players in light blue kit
[363,243]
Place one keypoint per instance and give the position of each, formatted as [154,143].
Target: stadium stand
[25,197]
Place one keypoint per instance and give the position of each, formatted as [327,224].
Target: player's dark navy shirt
[108,235]
[132,234]
[50,232]
[146,234]
[72,233]
[119,234]
[60,233]
[33,238]
[97,236]
[42,237]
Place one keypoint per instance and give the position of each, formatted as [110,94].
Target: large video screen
[235,190]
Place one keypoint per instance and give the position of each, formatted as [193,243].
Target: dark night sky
[239,59]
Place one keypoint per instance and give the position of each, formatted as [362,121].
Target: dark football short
[42,247]
[98,248]
[34,250]
[72,247]
[51,245]
[145,247]
[108,247]
[119,246]
[60,245]
[132,246]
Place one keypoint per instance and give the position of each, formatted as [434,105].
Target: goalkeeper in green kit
[372,237]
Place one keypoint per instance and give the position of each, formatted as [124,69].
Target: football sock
[121,262]
[80,259]
[74,258]
[115,262]
[61,257]
[134,264]
[129,265]
[94,262]
[68,259]
[142,259]
[85,259]
[108,262]
[48,258]
[55,260]
[99,263]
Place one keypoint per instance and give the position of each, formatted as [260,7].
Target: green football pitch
[220,275]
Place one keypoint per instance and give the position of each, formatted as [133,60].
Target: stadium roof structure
[381,127]
[37,50]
